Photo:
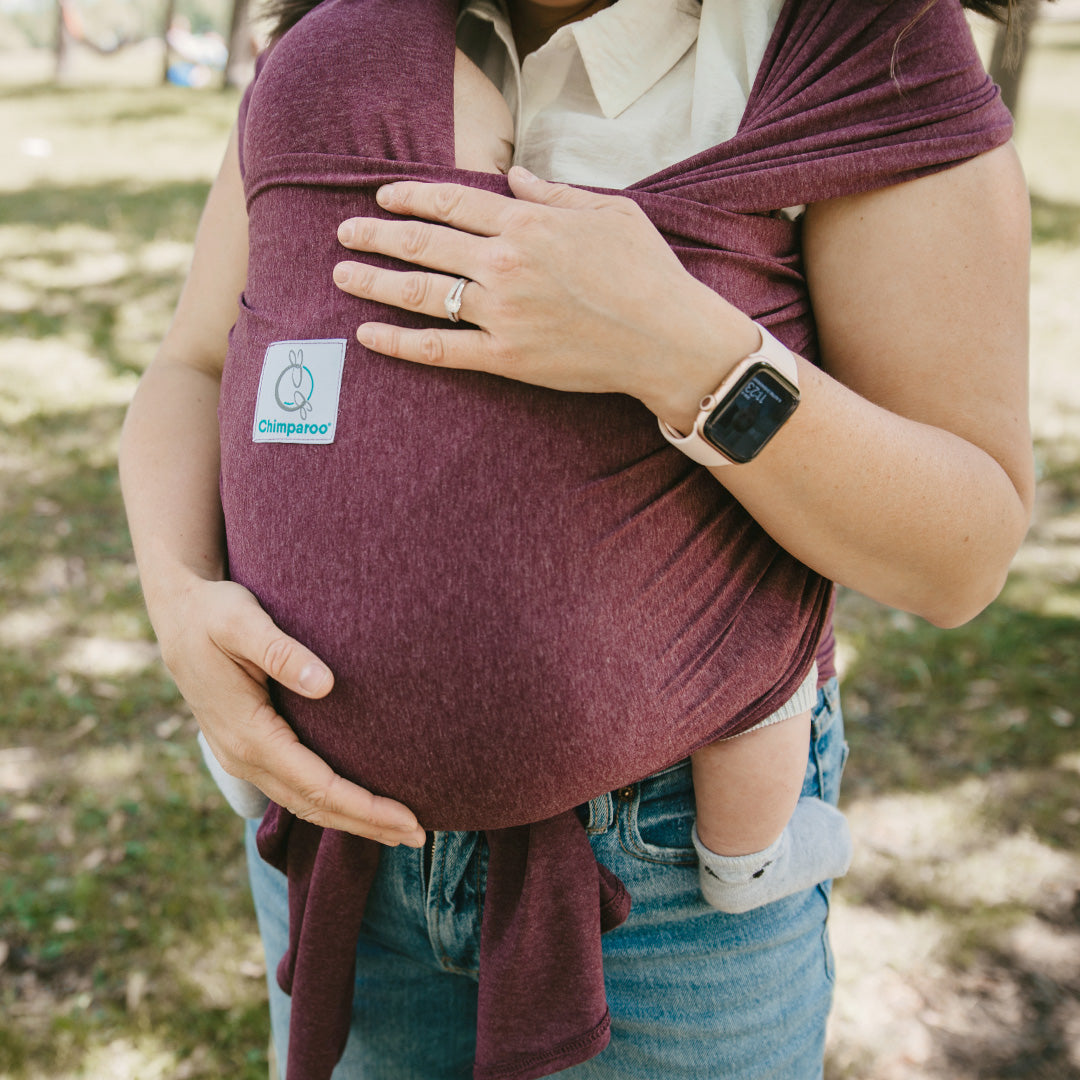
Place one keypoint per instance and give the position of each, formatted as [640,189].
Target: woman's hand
[570,289]
[221,647]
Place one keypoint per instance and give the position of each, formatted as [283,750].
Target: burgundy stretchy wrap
[527,597]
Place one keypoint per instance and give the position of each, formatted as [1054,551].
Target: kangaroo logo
[299,386]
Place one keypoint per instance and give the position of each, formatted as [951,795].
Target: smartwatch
[745,411]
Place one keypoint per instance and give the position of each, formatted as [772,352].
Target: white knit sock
[814,846]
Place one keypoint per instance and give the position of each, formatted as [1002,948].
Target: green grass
[126,932]
[127,941]
[998,693]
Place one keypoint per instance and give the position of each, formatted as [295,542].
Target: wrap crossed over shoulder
[527,597]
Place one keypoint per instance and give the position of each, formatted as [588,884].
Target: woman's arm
[218,643]
[169,455]
[906,471]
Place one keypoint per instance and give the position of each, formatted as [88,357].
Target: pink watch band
[694,445]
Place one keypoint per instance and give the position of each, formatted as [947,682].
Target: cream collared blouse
[630,90]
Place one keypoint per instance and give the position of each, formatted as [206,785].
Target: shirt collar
[491,11]
[626,48]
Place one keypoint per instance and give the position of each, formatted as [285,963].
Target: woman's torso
[526,596]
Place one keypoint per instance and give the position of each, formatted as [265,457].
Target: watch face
[752,412]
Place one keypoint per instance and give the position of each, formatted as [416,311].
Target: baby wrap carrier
[527,597]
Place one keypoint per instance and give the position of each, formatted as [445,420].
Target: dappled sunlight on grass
[110,767]
[107,657]
[963,793]
[104,286]
[149,132]
[224,966]
[143,1058]
[956,938]
[79,269]
[956,933]
[951,851]
[60,378]
[927,707]
[23,628]
[127,942]
[128,920]
[19,769]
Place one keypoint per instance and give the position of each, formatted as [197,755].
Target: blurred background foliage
[33,22]
[127,941]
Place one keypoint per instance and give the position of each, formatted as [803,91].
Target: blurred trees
[241,44]
[1010,51]
[112,24]
[167,17]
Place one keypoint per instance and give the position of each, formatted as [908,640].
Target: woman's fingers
[470,349]
[570,289]
[413,290]
[466,216]
[470,210]
[484,213]
[435,247]
[298,779]
[477,238]
[529,188]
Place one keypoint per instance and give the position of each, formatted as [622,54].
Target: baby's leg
[757,840]
[747,787]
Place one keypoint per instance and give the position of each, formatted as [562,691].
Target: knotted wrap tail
[330,874]
[542,1005]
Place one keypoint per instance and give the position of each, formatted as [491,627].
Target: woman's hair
[282,14]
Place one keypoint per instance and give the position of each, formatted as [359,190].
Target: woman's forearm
[169,463]
[908,473]
[906,513]
[169,456]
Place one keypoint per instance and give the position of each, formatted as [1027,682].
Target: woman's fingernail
[385,195]
[312,678]
[345,232]
[342,273]
[366,337]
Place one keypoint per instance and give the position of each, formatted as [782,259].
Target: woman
[901,474]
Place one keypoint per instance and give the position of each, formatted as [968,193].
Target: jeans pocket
[828,748]
[656,817]
[828,755]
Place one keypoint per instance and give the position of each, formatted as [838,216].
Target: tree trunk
[241,48]
[1010,52]
[61,45]
[166,22]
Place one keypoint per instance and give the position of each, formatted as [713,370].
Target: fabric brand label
[298,393]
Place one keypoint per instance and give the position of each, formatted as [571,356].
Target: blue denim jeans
[693,992]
